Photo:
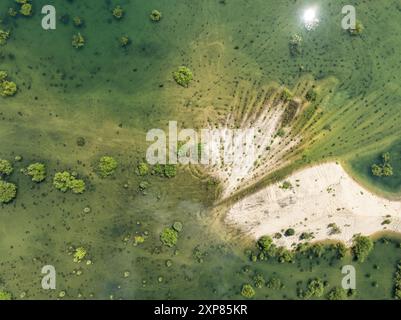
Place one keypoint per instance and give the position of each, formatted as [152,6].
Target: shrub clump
[183,76]
[107,166]
[37,171]
[169,237]
[65,181]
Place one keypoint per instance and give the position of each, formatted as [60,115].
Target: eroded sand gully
[320,195]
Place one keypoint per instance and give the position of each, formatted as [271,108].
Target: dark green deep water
[112,96]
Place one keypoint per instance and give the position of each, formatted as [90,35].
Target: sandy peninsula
[319,198]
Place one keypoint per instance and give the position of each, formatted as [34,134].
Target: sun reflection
[310,18]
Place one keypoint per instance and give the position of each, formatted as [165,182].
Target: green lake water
[112,96]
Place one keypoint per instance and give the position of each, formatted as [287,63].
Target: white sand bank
[320,195]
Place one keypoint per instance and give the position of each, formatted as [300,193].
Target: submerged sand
[321,195]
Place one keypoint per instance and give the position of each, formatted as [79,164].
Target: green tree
[264,243]
[78,41]
[77,186]
[65,181]
[337,293]
[8,191]
[247,291]
[5,168]
[7,88]
[4,35]
[118,12]
[79,254]
[358,29]
[377,170]
[143,169]
[4,295]
[388,170]
[37,171]
[315,289]
[169,237]
[397,282]
[26,9]
[361,248]
[289,232]
[183,76]
[107,166]
[156,15]
[124,41]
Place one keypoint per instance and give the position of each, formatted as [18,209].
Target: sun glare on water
[310,18]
